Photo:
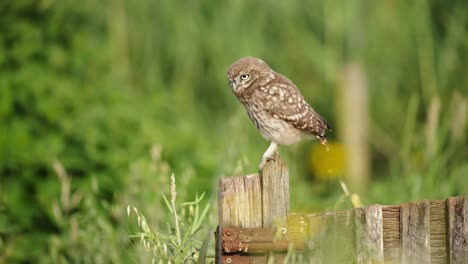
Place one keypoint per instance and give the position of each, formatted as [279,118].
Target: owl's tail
[323,140]
[325,123]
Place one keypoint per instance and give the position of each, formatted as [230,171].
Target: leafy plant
[180,243]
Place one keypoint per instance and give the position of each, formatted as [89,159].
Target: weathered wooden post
[259,202]
[254,225]
[458,229]
[421,232]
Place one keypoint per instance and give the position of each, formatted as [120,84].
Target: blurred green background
[100,101]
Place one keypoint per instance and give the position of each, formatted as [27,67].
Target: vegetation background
[101,101]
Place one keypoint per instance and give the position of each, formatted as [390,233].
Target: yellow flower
[328,164]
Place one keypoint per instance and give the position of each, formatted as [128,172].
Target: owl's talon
[264,162]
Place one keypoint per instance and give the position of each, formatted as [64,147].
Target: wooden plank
[391,233]
[320,242]
[369,234]
[343,235]
[415,233]
[240,201]
[275,193]
[438,229]
[458,229]
[297,227]
[330,237]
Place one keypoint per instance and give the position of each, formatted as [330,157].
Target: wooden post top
[255,200]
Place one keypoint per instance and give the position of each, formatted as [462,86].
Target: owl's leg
[268,155]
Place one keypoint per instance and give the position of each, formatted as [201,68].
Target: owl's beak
[231,83]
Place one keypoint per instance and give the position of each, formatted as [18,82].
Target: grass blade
[204,249]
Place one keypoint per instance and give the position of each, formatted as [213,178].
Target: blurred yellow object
[297,225]
[304,226]
[328,164]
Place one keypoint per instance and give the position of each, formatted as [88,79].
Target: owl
[275,105]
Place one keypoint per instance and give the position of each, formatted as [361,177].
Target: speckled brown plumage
[274,104]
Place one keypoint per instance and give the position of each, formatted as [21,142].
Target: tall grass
[181,242]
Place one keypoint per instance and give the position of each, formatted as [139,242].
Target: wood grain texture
[421,232]
[343,234]
[239,204]
[391,233]
[438,238]
[458,229]
[317,234]
[369,234]
[240,201]
[297,227]
[275,193]
[253,201]
[415,233]
[330,237]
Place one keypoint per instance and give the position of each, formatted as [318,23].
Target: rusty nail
[252,232]
[228,260]
[228,232]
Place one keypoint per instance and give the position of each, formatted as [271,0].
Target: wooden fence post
[253,201]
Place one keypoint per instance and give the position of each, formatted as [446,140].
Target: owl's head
[244,72]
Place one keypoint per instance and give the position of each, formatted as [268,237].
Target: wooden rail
[254,225]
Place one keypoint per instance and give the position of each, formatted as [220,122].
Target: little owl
[275,105]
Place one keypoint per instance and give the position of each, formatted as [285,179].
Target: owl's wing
[287,103]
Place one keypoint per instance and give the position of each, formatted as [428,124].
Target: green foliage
[77,215]
[55,107]
[181,243]
[92,86]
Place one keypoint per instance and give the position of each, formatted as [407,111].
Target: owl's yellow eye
[244,76]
